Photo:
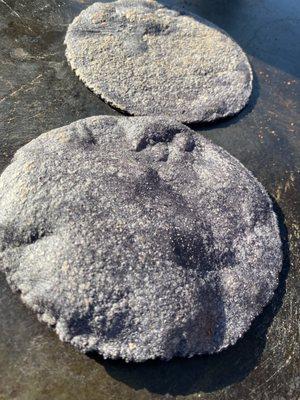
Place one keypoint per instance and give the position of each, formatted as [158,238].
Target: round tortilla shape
[137,238]
[145,59]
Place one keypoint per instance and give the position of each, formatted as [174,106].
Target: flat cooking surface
[38,92]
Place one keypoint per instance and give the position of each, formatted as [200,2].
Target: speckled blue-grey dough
[146,59]
[136,238]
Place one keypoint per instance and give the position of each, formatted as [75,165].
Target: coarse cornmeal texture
[137,238]
[145,59]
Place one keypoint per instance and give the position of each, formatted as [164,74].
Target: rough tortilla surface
[145,59]
[137,238]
